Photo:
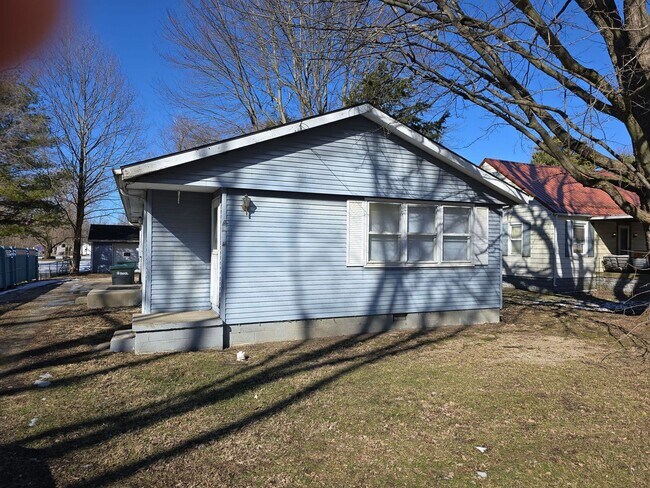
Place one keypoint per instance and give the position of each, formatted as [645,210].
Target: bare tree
[186,132]
[562,73]
[264,62]
[94,122]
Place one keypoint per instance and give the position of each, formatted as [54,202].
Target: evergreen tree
[542,158]
[26,191]
[395,95]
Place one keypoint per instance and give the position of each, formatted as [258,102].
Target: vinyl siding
[540,262]
[354,157]
[578,268]
[571,271]
[288,262]
[180,251]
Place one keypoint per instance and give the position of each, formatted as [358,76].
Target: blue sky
[133,30]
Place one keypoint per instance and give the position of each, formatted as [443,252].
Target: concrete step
[123,341]
[114,296]
[177,331]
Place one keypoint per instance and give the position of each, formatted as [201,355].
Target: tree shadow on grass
[60,353]
[346,355]
[24,467]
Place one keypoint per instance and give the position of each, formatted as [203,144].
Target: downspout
[555,250]
[501,211]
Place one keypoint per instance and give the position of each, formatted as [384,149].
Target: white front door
[215,258]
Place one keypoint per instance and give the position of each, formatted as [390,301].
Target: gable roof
[557,190]
[133,171]
[116,233]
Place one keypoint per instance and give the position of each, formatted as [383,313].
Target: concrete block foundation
[332,327]
[191,331]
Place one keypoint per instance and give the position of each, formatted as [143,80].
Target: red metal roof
[558,191]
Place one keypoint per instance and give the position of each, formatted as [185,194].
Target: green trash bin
[122,273]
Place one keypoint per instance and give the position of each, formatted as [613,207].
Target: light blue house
[343,223]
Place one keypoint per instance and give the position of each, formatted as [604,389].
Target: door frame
[216,209]
[618,238]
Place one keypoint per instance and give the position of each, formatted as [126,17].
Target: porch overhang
[133,194]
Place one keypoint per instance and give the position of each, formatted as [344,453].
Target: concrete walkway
[25,309]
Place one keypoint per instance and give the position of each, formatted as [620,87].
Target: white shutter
[480,238]
[357,235]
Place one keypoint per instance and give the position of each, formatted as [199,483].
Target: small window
[456,233]
[515,239]
[126,254]
[579,237]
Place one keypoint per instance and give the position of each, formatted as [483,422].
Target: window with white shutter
[392,233]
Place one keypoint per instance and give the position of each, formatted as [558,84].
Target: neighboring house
[560,239]
[64,250]
[343,223]
[112,244]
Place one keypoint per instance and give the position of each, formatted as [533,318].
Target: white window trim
[521,239]
[439,215]
[585,244]
[435,235]
[468,234]
[400,234]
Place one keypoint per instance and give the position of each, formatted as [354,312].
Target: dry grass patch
[542,391]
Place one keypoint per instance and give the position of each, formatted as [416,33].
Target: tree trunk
[646,225]
[78,229]
[49,250]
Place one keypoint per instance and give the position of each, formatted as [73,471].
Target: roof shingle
[558,191]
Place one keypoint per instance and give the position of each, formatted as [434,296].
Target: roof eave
[132,201]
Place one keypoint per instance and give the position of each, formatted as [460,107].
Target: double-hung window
[416,233]
[456,233]
[579,237]
[385,238]
[421,234]
[516,236]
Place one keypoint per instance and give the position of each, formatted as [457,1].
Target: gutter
[556,251]
[614,217]
[125,196]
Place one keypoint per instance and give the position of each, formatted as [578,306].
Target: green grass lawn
[550,392]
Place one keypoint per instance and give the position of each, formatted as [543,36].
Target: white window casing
[399,233]
[385,232]
[515,242]
[456,234]
[580,237]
